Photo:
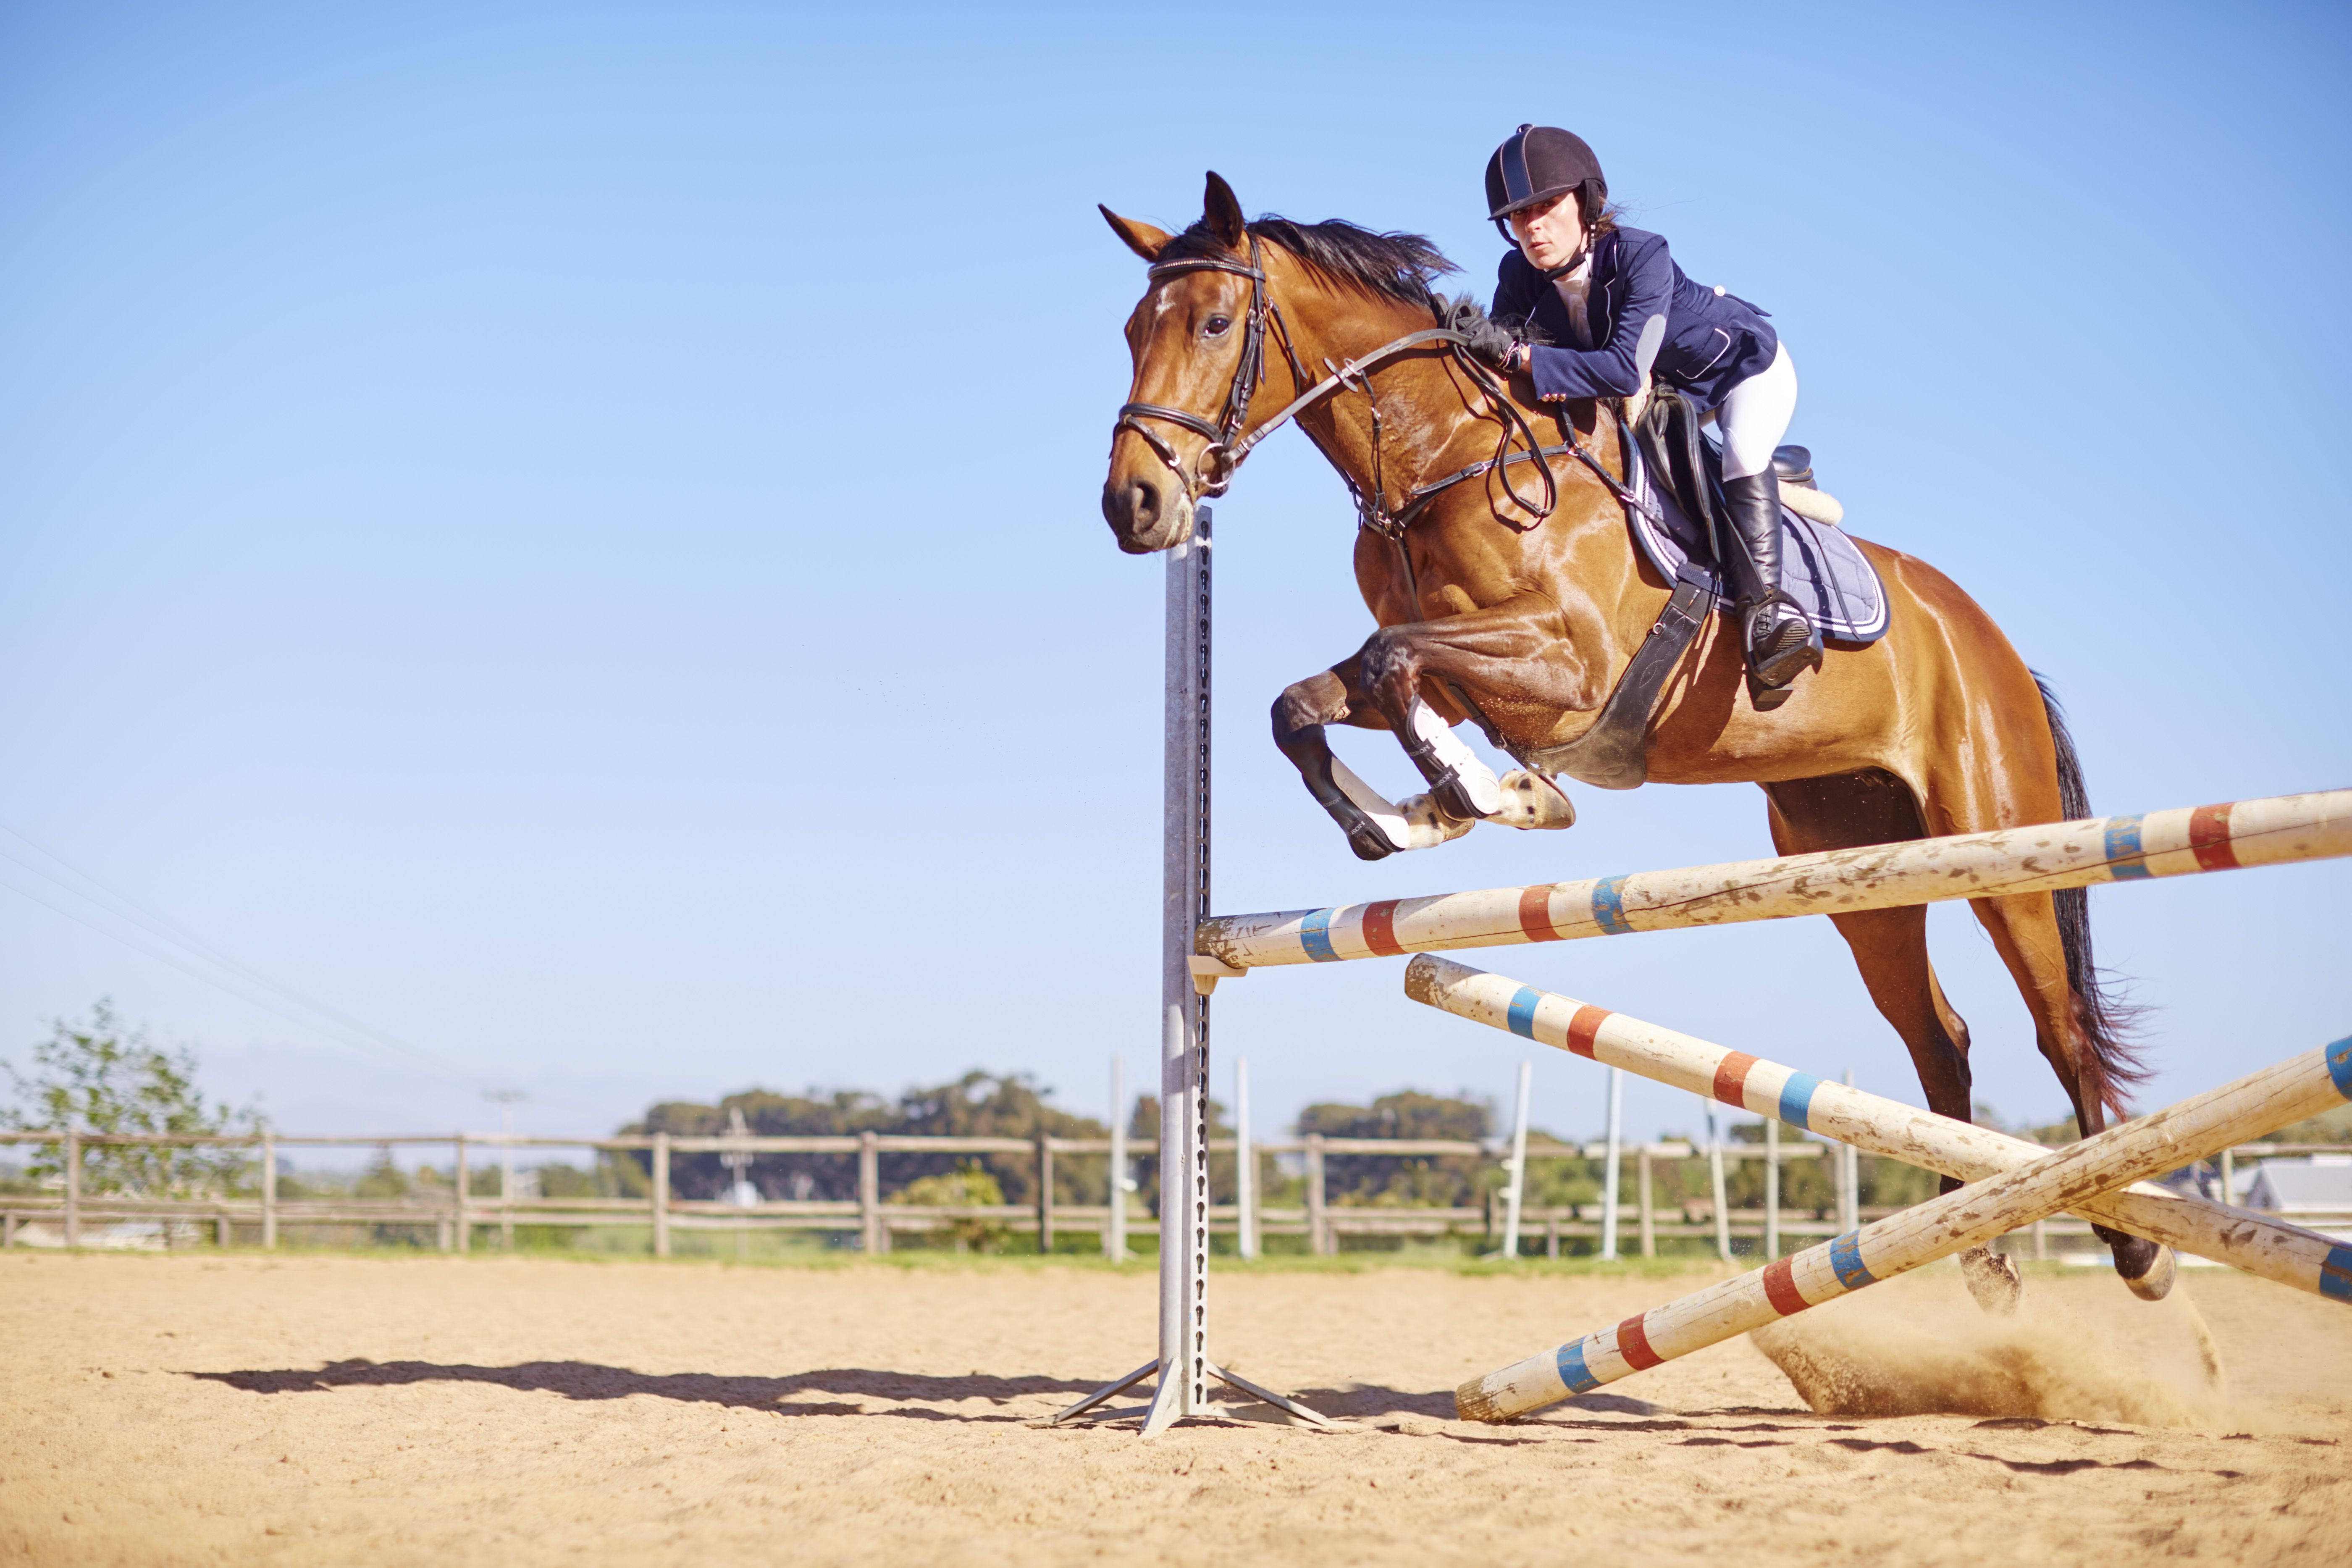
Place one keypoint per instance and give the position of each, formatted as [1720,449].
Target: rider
[1593,310]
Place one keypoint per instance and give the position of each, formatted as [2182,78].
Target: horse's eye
[1216,326]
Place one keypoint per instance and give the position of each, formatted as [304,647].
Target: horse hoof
[2150,1278]
[1993,1280]
[1370,842]
[1530,801]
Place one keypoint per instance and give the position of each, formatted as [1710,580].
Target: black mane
[1397,264]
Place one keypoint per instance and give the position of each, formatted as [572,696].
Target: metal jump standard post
[1182,1366]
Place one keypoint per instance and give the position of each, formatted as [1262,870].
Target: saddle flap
[1821,566]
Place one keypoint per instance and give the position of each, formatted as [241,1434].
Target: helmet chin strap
[1582,254]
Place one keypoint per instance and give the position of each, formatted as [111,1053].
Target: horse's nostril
[1143,503]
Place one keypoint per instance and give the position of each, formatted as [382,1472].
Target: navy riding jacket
[1643,314]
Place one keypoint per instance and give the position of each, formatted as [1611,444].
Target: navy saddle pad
[1821,568]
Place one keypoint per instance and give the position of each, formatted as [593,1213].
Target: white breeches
[1754,415]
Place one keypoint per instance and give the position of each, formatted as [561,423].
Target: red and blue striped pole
[2068,1178]
[2009,860]
[2256,1243]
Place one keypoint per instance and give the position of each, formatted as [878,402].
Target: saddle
[1679,473]
[1672,497]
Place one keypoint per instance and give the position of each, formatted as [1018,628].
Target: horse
[1519,598]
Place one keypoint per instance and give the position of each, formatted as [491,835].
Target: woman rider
[1592,310]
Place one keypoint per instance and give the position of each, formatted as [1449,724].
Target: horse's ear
[1141,238]
[1224,211]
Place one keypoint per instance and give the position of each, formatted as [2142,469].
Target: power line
[188,941]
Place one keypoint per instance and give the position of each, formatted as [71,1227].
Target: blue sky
[567,536]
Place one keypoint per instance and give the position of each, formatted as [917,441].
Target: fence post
[1715,1186]
[1517,1192]
[1115,1227]
[1045,1194]
[661,1195]
[1318,1234]
[506,1195]
[2229,1175]
[1245,1165]
[1642,1195]
[465,1230]
[1613,1154]
[268,1192]
[73,1189]
[1552,1233]
[871,1239]
[1771,1188]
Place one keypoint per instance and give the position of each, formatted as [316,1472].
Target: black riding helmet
[1538,163]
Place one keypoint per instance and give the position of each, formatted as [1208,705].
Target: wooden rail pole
[2067,1178]
[2256,1243]
[73,1188]
[268,1192]
[2037,859]
[661,1195]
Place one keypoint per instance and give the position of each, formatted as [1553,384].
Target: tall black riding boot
[1778,636]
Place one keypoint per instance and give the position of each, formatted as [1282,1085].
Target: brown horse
[1485,607]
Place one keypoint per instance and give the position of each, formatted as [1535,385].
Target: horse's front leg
[1513,659]
[1375,828]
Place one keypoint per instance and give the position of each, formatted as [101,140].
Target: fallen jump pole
[2288,1253]
[2009,860]
[2193,1129]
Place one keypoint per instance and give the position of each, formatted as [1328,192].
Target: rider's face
[1549,233]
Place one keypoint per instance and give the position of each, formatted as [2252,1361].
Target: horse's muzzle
[1147,512]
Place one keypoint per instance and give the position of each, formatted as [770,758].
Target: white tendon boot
[1416,822]
[1479,787]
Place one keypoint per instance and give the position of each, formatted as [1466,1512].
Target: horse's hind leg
[1890,949]
[2027,933]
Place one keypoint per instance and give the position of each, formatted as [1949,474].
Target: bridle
[1221,458]
[1228,446]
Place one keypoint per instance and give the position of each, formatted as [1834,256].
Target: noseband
[1228,446]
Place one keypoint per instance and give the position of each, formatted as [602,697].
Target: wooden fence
[456,1215]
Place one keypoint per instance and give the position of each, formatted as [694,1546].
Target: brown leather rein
[1228,446]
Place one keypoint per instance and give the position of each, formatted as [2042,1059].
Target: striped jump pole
[2009,860]
[2064,1179]
[2255,1243]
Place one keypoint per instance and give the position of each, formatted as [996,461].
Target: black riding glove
[1493,344]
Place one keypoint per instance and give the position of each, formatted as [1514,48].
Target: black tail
[2106,1020]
